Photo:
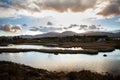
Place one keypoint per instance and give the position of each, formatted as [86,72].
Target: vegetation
[90,44]
[75,38]
[13,71]
[54,51]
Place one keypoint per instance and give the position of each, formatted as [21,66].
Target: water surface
[38,47]
[67,62]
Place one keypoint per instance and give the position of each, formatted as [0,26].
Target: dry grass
[13,71]
[54,51]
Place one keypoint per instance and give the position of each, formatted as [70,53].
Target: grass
[14,71]
[54,51]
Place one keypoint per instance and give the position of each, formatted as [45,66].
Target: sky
[31,17]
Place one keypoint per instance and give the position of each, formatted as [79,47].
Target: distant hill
[91,33]
[116,31]
[50,34]
[70,33]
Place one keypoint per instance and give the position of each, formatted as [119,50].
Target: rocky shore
[14,71]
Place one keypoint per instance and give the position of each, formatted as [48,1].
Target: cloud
[70,26]
[93,27]
[73,25]
[16,28]
[8,12]
[45,29]
[14,8]
[3,4]
[111,9]
[33,6]
[106,8]
[34,29]
[49,23]
[24,25]
[118,20]
[23,6]
[10,28]
[83,27]
[65,5]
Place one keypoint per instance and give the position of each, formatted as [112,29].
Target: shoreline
[88,48]
[53,51]
[15,71]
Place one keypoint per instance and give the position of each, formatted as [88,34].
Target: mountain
[91,33]
[116,31]
[70,33]
[50,34]
[26,36]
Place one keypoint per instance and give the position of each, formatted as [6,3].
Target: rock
[105,55]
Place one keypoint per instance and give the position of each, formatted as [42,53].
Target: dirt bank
[13,71]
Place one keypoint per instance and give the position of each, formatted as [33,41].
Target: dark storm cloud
[112,9]
[10,28]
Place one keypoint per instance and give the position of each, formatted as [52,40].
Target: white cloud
[36,8]
[7,12]
[10,28]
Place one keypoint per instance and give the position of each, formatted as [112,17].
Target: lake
[65,62]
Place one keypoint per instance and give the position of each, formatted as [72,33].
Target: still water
[38,47]
[67,62]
